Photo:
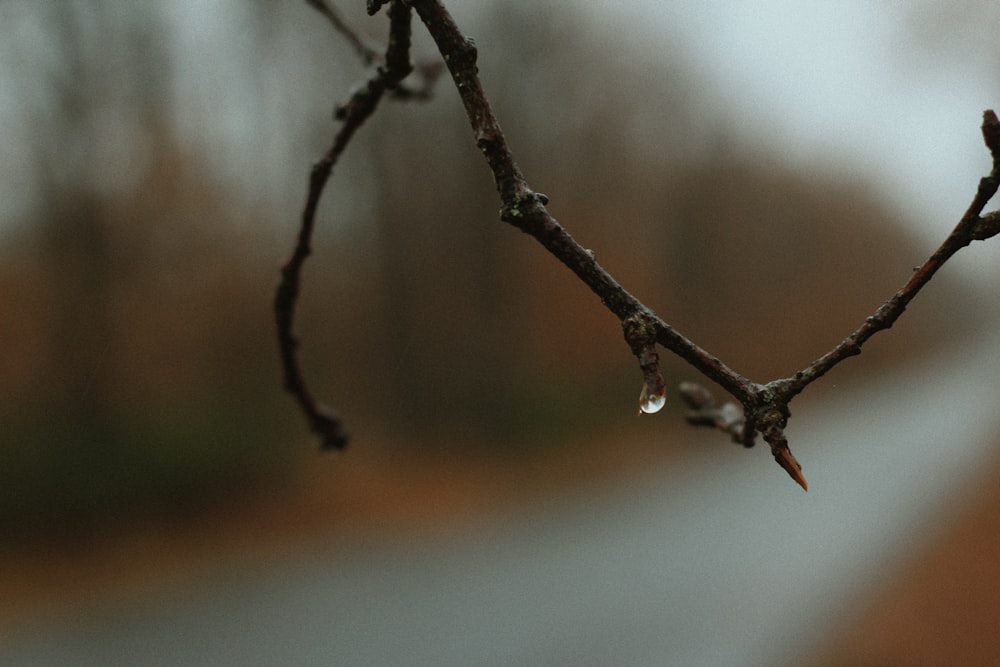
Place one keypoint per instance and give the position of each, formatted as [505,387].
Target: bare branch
[525,209]
[779,393]
[764,406]
[322,420]
[971,227]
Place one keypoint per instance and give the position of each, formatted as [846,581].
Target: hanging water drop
[651,401]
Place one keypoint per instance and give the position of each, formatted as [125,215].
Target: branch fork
[763,409]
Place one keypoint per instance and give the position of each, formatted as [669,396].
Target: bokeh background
[763,177]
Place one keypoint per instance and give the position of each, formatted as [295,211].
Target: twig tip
[785,459]
[991,133]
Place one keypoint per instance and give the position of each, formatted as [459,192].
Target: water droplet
[651,401]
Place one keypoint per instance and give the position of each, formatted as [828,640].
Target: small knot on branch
[987,226]
[640,334]
[525,210]
[640,330]
[471,50]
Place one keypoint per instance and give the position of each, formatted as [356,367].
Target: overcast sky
[852,83]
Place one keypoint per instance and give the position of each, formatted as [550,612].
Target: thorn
[785,459]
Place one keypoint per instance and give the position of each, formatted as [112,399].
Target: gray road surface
[727,565]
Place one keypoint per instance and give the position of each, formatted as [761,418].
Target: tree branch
[322,420]
[971,227]
[778,394]
[765,407]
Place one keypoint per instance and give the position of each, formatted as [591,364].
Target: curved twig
[322,420]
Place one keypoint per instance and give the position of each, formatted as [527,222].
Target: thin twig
[322,420]
[779,393]
[968,229]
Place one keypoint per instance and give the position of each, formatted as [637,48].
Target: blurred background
[762,177]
